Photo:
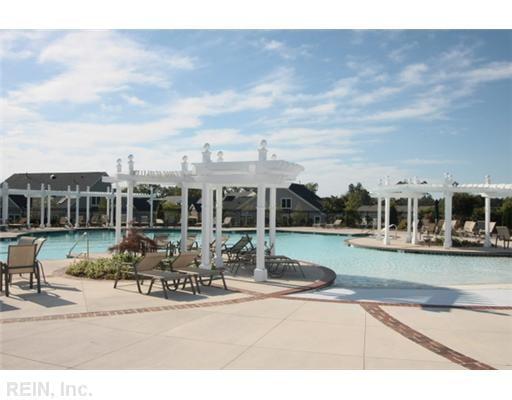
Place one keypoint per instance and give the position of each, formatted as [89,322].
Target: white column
[129,194]
[29,206]
[151,198]
[112,210]
[487,241]
[272,220]
[119,212]
[218,228]
[69,205]
[211,217]
[184,206]
[205,226]
[447,220]
[260,273]
[119,203]
[77,207]
[409,203]
[107,208]
[414,238]
[49,213]
[379,217]
[41,212]
[386,220]
[87,207]
[184,218]
[5,203]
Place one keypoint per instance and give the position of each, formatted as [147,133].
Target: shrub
[101,268]
[134,242]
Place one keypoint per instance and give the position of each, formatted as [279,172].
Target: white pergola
[413,189]
[46,194]
[211,177]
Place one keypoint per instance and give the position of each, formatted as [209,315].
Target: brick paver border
[438,348]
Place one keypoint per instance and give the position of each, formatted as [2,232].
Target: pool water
[354,267]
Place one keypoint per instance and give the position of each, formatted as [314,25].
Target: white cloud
[134,100]
[412,74]
[95,63]
[284,51]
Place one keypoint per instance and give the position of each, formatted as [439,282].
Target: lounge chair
[24,240]
[39,242]
[159,222]
[187,263]
[503,234]
[95,220]
[278,265]
[21,259]
[191,243]
[63,221]
[22,223]
[144,220]
[480,228]
[146,268]
[468,230]
[335,224]
[227,221]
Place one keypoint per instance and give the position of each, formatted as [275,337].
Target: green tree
[313,186]
[506,212]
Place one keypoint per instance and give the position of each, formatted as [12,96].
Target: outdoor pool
[354,267]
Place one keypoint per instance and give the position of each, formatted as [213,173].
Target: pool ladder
[83,254]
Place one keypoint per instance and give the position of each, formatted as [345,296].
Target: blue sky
[348,105]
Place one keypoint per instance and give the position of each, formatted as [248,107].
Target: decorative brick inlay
[326,280]
[454,356]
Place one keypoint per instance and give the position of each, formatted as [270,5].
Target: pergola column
[409,209]
[151,198]
[87,206]
[218,228]
[107,206]
[119,204]
[68,198]
[272,220]
[29,206]
[260,273]
[414,238]
[77,207]
[5,203]
[112,209]
[41,211]
[379,217]
[184,218]
[129,195]
[49,213]
[205,226]
[184,206]
[387,203]
[487,240]
[210,210]
[447,220]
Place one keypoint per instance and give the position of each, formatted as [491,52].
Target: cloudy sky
[348,105]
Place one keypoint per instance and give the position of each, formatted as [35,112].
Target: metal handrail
[70,255]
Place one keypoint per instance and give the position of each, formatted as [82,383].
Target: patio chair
[21,259]
[278,265]
[480,228]
[63,221]
[187,263]
[39,242]
[503,234]
[146,268]
[24,240]
[468,230]
[227,221]
[335,224]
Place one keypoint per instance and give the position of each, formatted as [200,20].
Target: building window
[286,203]
[95,201]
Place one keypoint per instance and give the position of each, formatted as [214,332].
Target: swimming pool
[354,267]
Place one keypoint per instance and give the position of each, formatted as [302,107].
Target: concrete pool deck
[80,323]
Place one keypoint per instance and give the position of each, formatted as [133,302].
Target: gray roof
[59,180]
